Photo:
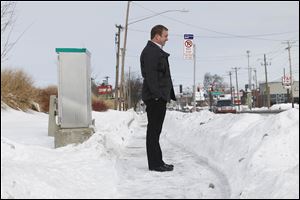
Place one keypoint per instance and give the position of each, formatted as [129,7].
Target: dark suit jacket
[156,73]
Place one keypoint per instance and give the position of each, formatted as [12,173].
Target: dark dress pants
[156,111]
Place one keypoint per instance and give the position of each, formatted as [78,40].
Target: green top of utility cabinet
[71,50]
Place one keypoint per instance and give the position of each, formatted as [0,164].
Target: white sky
[92,25]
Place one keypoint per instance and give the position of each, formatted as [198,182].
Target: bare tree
[135,84]
[7,26]
[215,80]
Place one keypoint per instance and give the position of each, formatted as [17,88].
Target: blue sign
[188,36]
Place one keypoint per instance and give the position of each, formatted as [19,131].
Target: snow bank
[282,106]
[258,154]
[31,168]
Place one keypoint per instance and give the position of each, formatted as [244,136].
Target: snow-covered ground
[282,106]
[215,156]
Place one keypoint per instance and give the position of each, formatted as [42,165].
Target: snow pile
[29,128]
[115,128]
[259,155]
[282,106]
[215,156]
[31,168]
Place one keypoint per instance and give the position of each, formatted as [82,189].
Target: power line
[219,32]
[229,56]
[200,60]
[228,37]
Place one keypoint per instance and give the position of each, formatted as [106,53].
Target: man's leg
[155,112]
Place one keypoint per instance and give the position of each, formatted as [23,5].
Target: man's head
[159,34]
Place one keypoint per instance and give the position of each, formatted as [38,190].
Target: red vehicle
[224,106]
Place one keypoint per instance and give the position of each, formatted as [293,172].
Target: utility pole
[117,67]
[249,95]
[122,87]
[237,86]
[230,87]
[267,86]
[291,74]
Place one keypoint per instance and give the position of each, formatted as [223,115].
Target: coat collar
[160,46]
[152,44]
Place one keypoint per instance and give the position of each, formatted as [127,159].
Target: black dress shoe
[169,166]
[161,168]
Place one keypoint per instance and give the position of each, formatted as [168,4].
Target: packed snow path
[192,177]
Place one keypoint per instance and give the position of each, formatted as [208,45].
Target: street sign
[188,36]
[217,93]
[286,80]
[188,49]
[104,89]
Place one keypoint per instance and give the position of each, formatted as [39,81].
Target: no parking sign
[188,46]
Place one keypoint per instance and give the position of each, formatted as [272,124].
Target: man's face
[163,38]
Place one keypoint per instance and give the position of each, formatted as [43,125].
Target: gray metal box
[74,88]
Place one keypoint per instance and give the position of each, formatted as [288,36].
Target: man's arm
[151,74]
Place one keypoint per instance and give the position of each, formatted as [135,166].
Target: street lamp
[122,87]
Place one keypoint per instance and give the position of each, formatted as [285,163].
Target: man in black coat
[157,91]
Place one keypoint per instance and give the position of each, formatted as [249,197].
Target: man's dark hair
[158,29]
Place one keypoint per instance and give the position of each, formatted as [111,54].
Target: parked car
[224,106]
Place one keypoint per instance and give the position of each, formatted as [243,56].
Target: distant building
[278,94]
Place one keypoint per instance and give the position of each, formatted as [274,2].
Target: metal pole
[194,99]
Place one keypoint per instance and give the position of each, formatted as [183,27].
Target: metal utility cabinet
[74,90]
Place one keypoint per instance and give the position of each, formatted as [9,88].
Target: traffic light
[180,88]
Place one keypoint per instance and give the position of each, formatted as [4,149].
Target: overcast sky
[215,25]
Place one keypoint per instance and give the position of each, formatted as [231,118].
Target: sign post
[189,53]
